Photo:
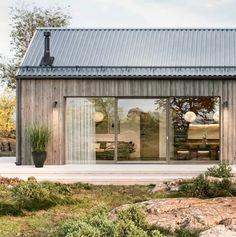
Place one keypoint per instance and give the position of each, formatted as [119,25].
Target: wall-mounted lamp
[225,104]
[54,104]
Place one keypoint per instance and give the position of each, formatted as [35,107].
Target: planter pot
[39,158]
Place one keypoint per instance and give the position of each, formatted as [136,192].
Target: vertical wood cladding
[37,99]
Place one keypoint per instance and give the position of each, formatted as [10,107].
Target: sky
[128,13]
[131,13]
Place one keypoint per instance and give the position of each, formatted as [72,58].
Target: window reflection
[195,130]
[142,135]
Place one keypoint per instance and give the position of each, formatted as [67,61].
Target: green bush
[77,228]
[99,219]
[134,214]
[220,171]
[129,223]
[223,188]
[127,228]
[9,209]
[186,233]
[200,187]
[33,196]
[156,233]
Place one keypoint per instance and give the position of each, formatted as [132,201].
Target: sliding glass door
[90,129]
[141,130]
[108,129]
[194,129]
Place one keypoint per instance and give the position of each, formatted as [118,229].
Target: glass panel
[194,128]
[89,129]
[141,130]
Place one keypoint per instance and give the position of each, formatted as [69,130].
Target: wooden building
[130,95]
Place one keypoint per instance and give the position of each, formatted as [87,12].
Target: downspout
[18,122]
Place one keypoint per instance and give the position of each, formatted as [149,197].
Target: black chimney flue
[47,60]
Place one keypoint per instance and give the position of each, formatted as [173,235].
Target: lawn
[31,208]
[84,198]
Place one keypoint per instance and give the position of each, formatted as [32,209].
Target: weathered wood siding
[37,97]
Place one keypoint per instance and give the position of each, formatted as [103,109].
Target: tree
[25,20]
[7,114]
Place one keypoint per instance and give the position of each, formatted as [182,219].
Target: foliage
[76,200]
[24,21]
[136,215]
[221,171]
[99,219]
[127,228]
[186,233]
[201,106]
[39,137]
[9,209]
[33,196]
[7,111]
[201,187]
[8,68]
[128,223]
[223,188]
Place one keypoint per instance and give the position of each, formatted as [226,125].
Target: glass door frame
[168,158]
[168,128]
[116,130]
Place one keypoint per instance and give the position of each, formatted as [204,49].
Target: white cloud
[134,13]
[179,12]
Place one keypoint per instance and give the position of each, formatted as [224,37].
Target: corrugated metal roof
[133,52]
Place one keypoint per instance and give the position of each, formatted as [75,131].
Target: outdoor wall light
[54,104]
[225,104]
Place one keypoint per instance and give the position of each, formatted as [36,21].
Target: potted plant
[39,136]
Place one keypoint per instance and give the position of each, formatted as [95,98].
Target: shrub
[220,171]
[223,188]
[129,223]
[156,233]
[186,233]
[134,214]
[34,196]
[58,188]
[99,219]
[78,228]
[9,209]
[127,228]
[200,187]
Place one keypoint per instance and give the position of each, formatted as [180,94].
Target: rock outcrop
[189,213]
[219,231]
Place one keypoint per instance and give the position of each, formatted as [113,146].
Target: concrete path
[103,173]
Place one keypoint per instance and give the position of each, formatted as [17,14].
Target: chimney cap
[47,33]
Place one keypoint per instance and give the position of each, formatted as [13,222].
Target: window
[194,128]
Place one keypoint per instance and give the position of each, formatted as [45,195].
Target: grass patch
[37,209]
[35,218]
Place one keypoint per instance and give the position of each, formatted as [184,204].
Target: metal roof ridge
[122,67]
[139,28]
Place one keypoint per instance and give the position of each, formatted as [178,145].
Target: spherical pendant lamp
[190,116]
[99,117]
